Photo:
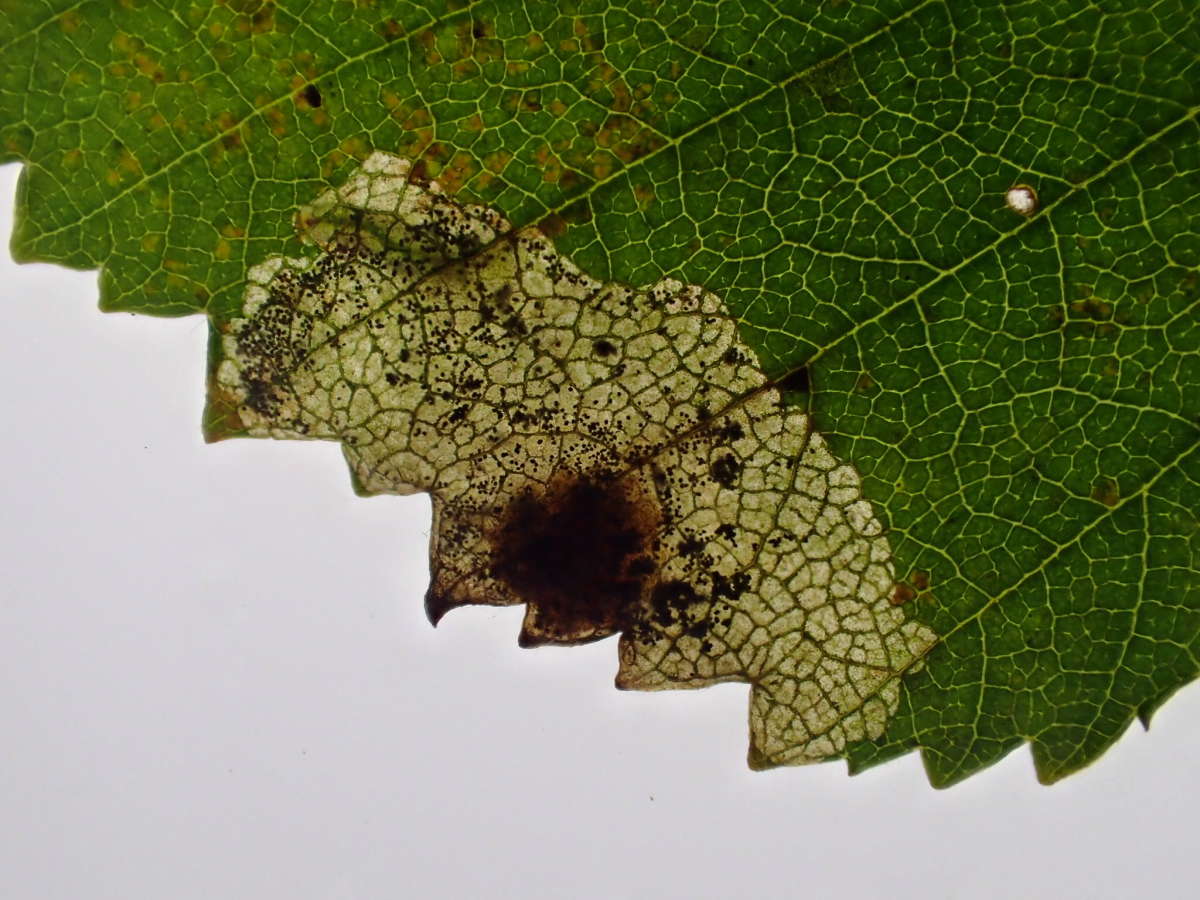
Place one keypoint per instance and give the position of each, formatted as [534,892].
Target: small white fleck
[1022,199]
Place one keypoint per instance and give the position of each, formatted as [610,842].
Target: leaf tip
[759,761]
[436,606]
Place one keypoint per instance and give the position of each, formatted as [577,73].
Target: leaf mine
[612,457]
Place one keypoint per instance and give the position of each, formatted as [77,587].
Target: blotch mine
[612,457]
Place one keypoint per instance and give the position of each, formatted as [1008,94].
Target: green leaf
[1017,390]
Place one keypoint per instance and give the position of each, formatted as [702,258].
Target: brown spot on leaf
[1092,308]
[726,469]
[1106,491]
[671,600]
[577,556]
[553,225]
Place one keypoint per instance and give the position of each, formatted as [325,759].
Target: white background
[217,681]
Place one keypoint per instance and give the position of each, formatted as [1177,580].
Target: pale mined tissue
[612,457]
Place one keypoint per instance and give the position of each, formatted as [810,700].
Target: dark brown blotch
[670,601]
[732,432]
[260,396]
[796,381]
[730,587]
[726,469]
[580,555]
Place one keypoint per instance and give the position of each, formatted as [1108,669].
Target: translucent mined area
[454,355]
